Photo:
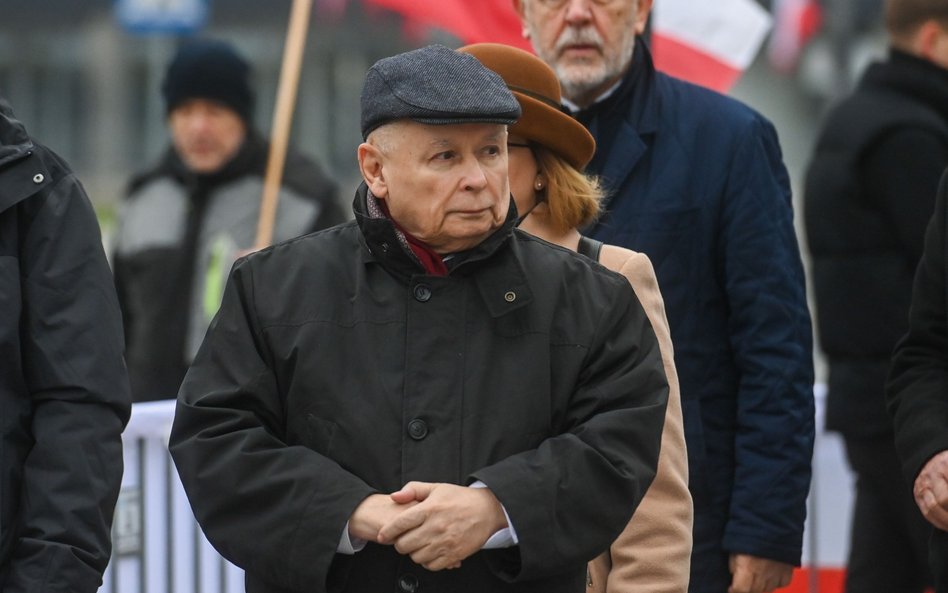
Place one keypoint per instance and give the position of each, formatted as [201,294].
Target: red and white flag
[708,42]
[797,22]
[471,21]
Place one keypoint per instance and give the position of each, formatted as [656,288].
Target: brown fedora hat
[538,91]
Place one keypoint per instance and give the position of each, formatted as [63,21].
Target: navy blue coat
[698,184]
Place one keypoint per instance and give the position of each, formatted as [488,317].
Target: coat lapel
[635,114]
[628,150]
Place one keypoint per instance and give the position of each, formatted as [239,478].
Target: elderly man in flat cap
[402,403]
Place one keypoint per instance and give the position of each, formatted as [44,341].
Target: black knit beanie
[209,69]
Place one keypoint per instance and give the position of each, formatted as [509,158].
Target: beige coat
[653,553]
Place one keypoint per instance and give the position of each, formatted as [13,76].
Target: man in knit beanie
[185,220]
[209,103]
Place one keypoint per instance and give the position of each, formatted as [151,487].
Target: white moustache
[578,36]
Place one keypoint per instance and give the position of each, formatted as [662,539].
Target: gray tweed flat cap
[435,85]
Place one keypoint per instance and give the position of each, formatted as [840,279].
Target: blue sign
[162,16]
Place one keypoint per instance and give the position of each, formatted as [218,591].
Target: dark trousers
[939,560]
[889,541]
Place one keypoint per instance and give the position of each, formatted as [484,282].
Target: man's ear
[927,40]
[644,8]
[371,161]
[518,6]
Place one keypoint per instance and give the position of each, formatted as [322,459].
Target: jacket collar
[624,122]
[251,157]
[20,175]
[384,246]
[914,76]
[502,281]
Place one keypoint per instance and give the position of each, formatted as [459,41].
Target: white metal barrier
[159,548]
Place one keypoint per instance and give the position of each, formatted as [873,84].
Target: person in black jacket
[917,389]
[426,398]
[185,221]
[870,189]
[64,394]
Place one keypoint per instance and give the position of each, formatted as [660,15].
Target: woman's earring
[538,184]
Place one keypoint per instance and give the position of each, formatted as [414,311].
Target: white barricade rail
[829,507]
[159,548]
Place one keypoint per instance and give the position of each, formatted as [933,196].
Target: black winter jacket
[337,368]
[917,390]
[870,189]
[64,396]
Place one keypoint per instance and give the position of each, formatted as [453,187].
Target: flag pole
[283,118]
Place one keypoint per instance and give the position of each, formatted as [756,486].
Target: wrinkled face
[446,185]
[588,43]
[206,134]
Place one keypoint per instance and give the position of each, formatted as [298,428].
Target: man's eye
[492,150]
[444,156]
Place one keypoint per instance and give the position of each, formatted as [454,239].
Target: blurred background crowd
[88,84]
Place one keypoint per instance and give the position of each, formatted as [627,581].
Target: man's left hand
[449,524]
[751,574]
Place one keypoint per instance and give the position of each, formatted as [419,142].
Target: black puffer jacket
[64,396]
[870,190]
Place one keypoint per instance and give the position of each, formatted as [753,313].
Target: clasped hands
[437,525]
[931,490]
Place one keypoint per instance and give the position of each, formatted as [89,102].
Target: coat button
[38,178]
[408,583]
[510,296]
[417,429]
[422,293]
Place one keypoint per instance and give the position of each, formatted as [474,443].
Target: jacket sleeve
[917,390]
[569,498]
[72,352]
[771,340]
[653,552]
[274,509]
[120,278]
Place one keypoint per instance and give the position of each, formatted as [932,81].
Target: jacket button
[38,178]
[417,429]
[422,293]
[408,583]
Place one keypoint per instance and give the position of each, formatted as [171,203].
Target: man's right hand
[931,490]
[374,512]
[450,523]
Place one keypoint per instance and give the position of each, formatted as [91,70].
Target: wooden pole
[283,118]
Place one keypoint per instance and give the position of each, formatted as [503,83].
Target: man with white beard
[696,182]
